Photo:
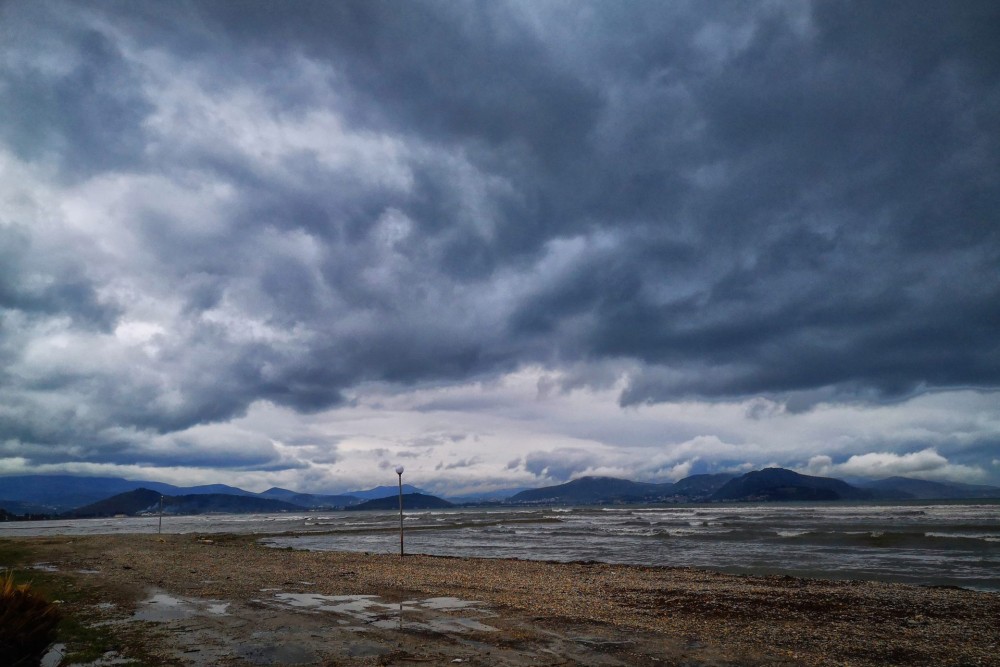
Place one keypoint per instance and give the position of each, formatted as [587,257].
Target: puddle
[56,654]
[355,605]
[53,657]
[430,614]
[446,604]
[441,625]
[218,609]
[278,653]
[45,567]
[162,608]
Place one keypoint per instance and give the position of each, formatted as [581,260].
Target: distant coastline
[61,496]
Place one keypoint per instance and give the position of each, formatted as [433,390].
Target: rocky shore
[231,600]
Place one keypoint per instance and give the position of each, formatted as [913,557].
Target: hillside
[590,490]
[309,500]
[411,501]
[384,492]
[906,487]
[487,496]
[779,484]
[146,500]
[129,503]
[204,503]
[54,494]
[61,493]
[17,507]
[699,487]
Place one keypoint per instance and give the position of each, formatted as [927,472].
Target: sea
[948,543]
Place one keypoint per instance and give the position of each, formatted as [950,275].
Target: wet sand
[227,600]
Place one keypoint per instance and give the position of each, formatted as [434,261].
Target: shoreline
[625,614]
[930,547]
[815,575]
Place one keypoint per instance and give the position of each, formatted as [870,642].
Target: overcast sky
[501,243]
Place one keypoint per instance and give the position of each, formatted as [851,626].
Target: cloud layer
[210,212]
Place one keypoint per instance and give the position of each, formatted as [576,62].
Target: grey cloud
[84,110]
[47,289]
[560,464]
[461,463]
[791,200]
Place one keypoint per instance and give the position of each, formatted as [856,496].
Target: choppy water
[931,544]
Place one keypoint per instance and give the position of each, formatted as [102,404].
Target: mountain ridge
[930,490]
[411,501]
[55,494]
[591,490]
[781,484]
[142,500]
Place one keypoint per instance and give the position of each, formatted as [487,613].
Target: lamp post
[399,471]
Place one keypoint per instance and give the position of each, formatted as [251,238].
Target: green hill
[591,490]
[411,501]
[139,501]
[779,484]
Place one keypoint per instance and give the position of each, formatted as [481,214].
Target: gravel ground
[542,613]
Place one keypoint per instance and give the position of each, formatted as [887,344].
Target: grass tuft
[27,623]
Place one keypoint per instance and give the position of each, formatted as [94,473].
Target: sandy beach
[227,600]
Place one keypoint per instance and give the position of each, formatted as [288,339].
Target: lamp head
[399,470]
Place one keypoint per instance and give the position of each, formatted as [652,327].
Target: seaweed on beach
[27,623]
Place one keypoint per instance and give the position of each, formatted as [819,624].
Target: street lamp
[399,471]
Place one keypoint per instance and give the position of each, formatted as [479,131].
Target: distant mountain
[146,500]
[595,490]
[777,484]
[59,493]
[278,493]
[129,503]
[411,501]
[977,490]
[16,507]
[591,490]
[203,503]
[487,496]
[62,493]
[208,488]
[922,489]
[698,487]
[384,492]
[309,500]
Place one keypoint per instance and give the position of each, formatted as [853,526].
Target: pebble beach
[526,612]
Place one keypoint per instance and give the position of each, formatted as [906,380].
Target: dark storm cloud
[85,113]
[791,200]
[41,291]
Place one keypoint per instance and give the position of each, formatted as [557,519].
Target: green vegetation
[12,553]
[27,623]
[72,605]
